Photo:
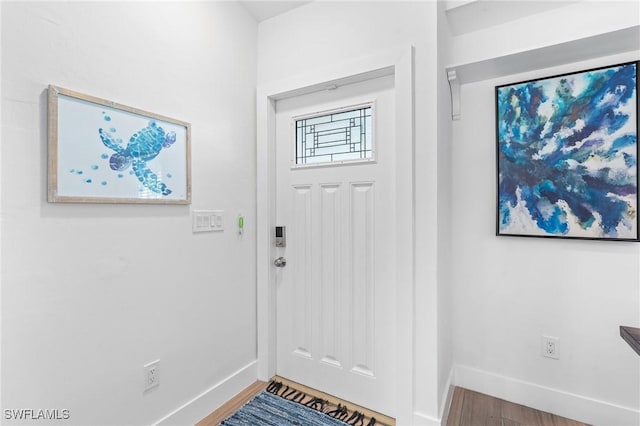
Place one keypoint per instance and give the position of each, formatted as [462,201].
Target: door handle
[280,262]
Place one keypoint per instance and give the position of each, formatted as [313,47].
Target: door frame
[399,63]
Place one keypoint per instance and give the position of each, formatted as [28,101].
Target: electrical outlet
[550,347]
[151,375]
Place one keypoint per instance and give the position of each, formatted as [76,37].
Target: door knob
[280,262]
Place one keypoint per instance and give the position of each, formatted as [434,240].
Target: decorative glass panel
[334,137]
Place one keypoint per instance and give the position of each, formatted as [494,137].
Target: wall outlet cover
[151,375]
[550,347]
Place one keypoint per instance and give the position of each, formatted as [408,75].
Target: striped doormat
[283,406]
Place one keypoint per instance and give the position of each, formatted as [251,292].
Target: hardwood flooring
[469,408]
[233,405]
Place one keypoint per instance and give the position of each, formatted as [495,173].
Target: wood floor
[233,405]
[469,408]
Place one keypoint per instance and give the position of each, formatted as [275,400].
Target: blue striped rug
[266,409]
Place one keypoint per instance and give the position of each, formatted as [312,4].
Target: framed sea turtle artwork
[567,155]
[104,152]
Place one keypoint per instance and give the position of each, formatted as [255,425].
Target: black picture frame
[566,155]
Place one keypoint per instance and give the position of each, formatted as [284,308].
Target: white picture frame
[103,152]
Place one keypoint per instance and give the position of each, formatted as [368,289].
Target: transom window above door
[339,136]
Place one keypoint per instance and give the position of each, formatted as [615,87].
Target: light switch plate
[208,221]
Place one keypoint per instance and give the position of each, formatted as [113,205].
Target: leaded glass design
[335,137]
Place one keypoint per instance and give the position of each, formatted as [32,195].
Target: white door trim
[397,62]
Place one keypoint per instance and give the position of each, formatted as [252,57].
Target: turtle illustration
[143,146]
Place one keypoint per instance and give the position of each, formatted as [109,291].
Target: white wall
[323,34]
[90,293]
[508,292]
[1,327]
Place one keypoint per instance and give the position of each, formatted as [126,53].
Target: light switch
[208,220]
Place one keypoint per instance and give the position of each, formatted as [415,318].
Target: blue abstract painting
[567,151]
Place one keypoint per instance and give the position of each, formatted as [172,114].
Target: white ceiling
[262,10]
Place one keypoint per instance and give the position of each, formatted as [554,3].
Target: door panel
[301,239]
[362,278]
[331,274]
[336,296]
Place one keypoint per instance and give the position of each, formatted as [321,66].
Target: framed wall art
[567,155]
[104,152]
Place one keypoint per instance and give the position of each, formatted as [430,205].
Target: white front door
[336,297]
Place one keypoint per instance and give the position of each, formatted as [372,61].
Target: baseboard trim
[446,402]
[424,420]
[566,404]
[209,400]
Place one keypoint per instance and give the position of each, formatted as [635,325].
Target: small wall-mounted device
[281,237]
